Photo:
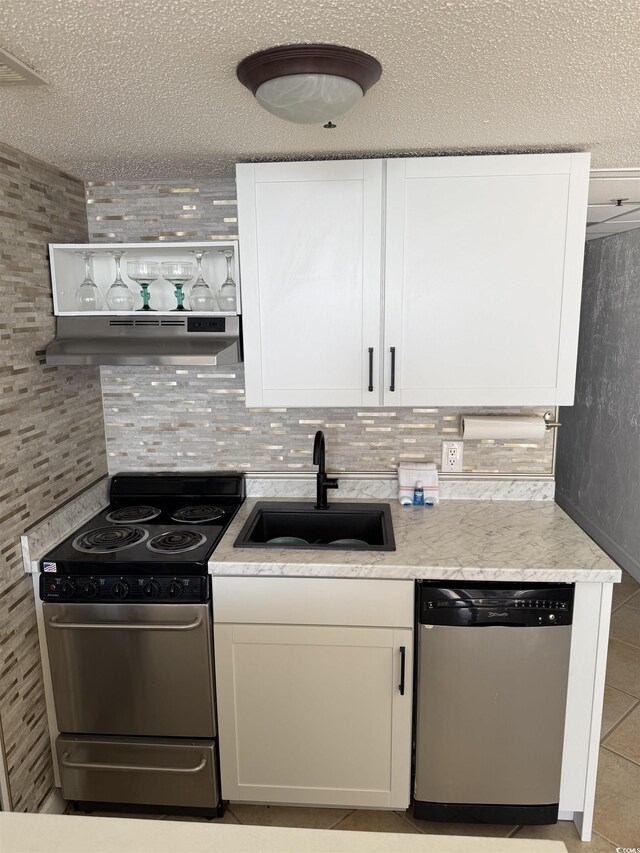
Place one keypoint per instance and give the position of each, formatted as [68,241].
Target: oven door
[132,669]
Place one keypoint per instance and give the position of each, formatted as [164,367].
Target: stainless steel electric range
[127,614]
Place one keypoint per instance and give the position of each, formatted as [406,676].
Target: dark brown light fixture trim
[347,62]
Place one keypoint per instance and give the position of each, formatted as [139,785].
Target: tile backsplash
[160,418]
[193,417]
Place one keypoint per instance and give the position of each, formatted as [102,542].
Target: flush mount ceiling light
[309,83]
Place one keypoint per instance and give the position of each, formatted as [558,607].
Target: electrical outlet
[452,456]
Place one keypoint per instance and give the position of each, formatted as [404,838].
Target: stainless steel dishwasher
[492,671]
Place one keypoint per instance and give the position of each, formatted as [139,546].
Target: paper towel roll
[516,428]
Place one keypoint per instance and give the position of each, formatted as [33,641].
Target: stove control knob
[67,589]
[175,589]
[151,589]
[120,589]
[90,589]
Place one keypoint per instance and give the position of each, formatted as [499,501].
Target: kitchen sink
[341,527]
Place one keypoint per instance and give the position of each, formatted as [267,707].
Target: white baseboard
[622,557]
[55,803]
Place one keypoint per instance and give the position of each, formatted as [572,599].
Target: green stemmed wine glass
[178,274]
[144,273]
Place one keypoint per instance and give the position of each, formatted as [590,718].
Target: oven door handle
[127,626]
[88,765]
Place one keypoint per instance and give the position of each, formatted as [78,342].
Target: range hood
[191,339]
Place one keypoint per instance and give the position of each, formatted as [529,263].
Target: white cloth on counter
[410,473]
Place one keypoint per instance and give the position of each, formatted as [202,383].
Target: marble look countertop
[457,540]
[36,833]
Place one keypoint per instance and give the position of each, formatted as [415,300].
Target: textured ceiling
[147,88]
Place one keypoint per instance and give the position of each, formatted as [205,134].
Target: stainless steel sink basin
[340,527]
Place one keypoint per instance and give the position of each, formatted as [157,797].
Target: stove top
[155,524]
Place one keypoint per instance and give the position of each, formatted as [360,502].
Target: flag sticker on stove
[49,567]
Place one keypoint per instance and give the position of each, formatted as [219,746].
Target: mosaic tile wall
[160,418]
[137,211]
[51,443]
[195,418]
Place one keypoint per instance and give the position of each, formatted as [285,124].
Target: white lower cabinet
[315,713]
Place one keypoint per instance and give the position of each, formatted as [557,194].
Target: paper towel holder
[549,421]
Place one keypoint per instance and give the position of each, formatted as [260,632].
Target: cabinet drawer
[314,601]
[154,771]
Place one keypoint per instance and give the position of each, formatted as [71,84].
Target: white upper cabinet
[477,301]
[483,277]
[311,250]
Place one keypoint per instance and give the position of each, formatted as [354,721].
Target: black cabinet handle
[370,368]
[403,651]
[392,387]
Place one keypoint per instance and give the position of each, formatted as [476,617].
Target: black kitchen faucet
[323,482]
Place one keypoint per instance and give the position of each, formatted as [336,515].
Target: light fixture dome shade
[309,98]
[309,83]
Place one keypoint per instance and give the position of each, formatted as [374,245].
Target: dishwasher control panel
[508,605]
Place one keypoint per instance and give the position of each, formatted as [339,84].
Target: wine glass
[119,297]
[88,297]
[201,297]
[144,272]
[227,294]
[178,275]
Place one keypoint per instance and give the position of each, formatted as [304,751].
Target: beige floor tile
[616,705]
[617,816]
[372,820]
[565,831]
[437,828]
[625,589]
[625,740]
[634,601]
[625,625]
[623,667]
[295,816]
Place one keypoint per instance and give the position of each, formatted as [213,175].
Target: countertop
[42,833]
[457,540]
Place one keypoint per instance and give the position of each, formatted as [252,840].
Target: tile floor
[617,815]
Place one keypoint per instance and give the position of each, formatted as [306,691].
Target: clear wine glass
[227,294]
[144,273]
[201,297]
[88,297]
[178,275]
[119,297]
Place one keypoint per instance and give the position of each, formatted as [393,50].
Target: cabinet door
[314,715]
[311,251]
[483,279]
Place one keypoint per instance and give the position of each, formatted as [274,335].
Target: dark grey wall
[598,462]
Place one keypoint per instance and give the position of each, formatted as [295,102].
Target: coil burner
[176,541]
[133,514]
[107,540]
[201,514]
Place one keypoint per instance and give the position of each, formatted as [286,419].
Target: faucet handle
[331,483]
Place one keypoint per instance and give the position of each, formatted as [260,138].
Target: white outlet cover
[452,454]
